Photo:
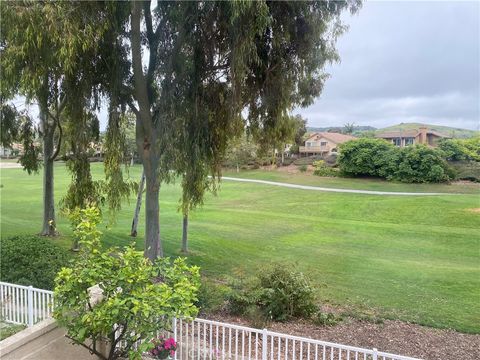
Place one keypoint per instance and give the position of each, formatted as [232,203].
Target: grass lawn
[409,258]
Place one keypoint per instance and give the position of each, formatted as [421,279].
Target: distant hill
[447,130]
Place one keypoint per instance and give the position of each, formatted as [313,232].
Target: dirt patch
[466,183]
[391,336]
[474,210]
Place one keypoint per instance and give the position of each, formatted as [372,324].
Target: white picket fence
[206,339]
[200,338]
[24,305]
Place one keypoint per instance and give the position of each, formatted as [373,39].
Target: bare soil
[390,336]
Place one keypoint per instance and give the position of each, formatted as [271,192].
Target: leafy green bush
[287,293]
[302,168]
[137,298]
[278,292]
[422,164]
[363,156]
[31,260]
[322,169]
[461,149]
[211,296]
[376,157]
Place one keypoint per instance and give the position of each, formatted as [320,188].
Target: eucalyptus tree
[230,66]
[41,44]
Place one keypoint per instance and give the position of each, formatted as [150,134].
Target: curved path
[317,188]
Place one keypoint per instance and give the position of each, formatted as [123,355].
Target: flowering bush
[163,348]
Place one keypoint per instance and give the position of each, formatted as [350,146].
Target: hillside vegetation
[447,130]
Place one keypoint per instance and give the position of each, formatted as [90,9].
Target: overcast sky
[405,62]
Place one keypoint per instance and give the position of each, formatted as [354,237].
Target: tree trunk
[185,234]
[146,134]
[139,206]
[48,228]
[283,155]
[153,245]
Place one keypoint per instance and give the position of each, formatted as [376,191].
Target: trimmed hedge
[31,260]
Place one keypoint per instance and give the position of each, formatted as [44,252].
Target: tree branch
[133,108]
[148,20]
[140,84]
[60,131]
[152,44]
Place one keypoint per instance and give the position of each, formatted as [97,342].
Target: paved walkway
[53,345]
[317,188]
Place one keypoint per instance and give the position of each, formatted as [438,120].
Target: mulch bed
[390,336]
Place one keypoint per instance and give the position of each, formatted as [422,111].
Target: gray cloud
[405,62]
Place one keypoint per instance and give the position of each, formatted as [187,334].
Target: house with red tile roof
[324,143]
[421,135]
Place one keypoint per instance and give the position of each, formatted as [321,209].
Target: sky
[405,61]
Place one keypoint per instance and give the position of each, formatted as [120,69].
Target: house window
[397,141]
[309,144]
[323,143]
[409,141]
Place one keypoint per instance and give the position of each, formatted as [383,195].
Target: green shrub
[279,292]
[325,319]
[466,170]
[364,156]
[287,293]
[322,169]
[211,296]
[376,157]
[31,260]
[302,168]
[461,149]
[421,164]
[138,298]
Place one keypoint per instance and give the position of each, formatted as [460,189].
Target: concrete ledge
[23,337]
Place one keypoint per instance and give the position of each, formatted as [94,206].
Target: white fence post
[375,355]
[174,330]
[264,344]
[30,305]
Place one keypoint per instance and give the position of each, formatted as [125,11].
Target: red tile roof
[406,133]
[337,138]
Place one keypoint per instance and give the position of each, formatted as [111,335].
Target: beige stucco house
[404,138]
[324,143]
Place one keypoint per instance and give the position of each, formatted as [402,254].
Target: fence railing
[24,305]
[200,338]
[206,339]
